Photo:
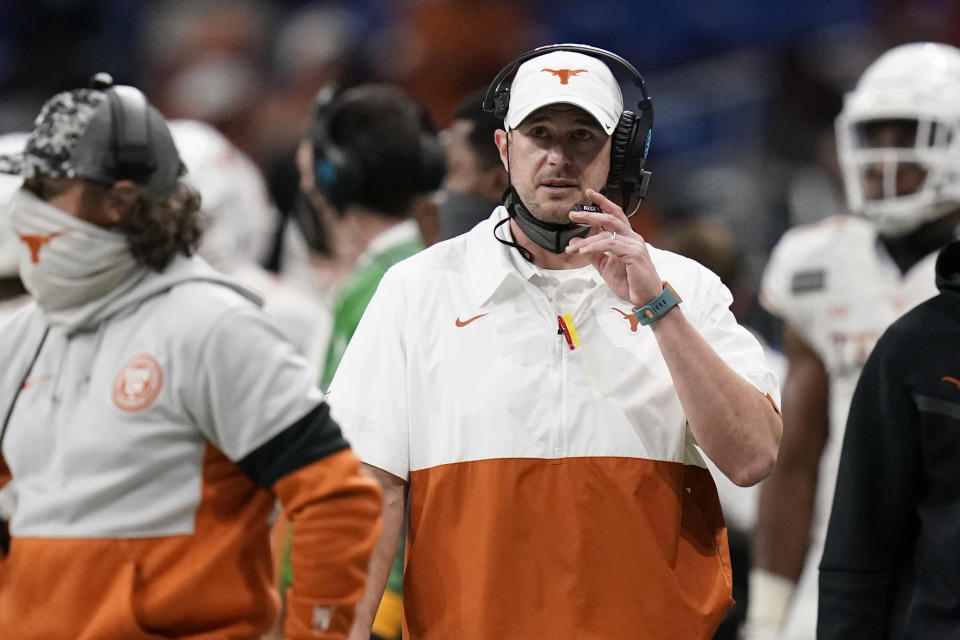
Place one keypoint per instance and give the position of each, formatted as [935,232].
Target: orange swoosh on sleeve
[951,380]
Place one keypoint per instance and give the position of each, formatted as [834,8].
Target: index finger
[607,205]
[612,218]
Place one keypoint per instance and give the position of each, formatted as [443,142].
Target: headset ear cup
[501,102]
[325,176]
[133,155]
[336,174]
[621,143]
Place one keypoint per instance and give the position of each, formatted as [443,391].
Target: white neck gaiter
[66,262]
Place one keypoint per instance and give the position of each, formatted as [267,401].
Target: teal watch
[657,307]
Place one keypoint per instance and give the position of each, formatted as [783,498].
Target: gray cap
[107,134]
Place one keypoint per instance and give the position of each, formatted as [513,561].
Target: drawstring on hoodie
[58,374]
[56,391]
[101,329]
[26,374]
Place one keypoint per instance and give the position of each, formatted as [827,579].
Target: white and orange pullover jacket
[145,444]
[555,488]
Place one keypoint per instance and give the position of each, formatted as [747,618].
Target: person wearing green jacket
[374,155]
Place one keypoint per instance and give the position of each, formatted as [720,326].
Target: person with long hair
[152,414]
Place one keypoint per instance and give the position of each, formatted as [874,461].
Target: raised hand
[617,251]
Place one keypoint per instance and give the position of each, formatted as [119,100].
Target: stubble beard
[553,212]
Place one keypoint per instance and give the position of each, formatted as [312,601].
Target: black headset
[130,118]
[630,141]
[338,172]
[130,141]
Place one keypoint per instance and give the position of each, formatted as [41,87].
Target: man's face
[555,155]
[466,172]
[900,134]
[462,169]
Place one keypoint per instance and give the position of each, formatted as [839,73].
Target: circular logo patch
[138,384]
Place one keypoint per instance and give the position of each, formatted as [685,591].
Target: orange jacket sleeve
[334,511]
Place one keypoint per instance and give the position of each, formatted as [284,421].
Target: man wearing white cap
[540,389]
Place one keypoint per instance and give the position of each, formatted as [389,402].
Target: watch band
[659,306]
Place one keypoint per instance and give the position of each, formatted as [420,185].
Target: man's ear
[500,138]
[121,198]
[304,160]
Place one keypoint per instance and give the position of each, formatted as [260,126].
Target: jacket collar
[948,268]
[493,266]
[490,264]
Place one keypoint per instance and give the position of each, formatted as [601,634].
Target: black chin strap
[523,250]
[504,199]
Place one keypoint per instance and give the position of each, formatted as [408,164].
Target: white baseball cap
[565,77]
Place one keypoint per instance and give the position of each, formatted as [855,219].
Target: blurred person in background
[475,179]
[237,213]
[202,60]
[314,45]
[372,154]
[837,285]
[537,398]
[151,413]
[375,153]
[239,222]
[13,295]
[462,41]
[891,560]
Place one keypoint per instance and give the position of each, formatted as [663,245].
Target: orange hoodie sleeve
[334,511]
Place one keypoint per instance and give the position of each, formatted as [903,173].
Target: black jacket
[891,564]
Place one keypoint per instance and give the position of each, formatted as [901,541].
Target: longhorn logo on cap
[564,74]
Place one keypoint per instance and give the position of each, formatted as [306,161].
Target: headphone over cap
[579,74]
[565,77]
[105,133]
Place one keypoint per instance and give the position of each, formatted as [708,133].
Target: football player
[837,285]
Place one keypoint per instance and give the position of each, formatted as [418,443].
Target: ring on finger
[614,236]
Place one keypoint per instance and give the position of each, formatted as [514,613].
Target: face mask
[459,212]
[66,262]
[551,236]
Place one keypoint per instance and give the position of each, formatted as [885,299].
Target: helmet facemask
[900,172]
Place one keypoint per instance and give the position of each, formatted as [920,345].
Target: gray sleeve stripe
[946,408]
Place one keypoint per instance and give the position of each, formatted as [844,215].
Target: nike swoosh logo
[463,323]
[33,382]
[953,380]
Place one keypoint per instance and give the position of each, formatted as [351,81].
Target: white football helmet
[9,243]
[918,83]
[239,216]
